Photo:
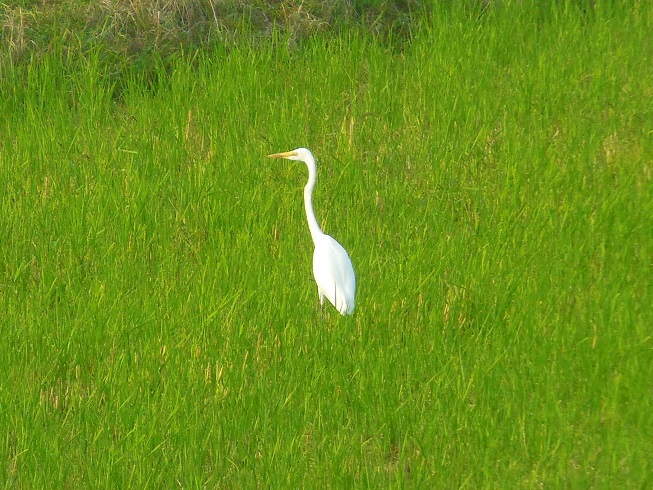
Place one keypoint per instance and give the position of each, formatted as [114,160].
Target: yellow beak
[285,154]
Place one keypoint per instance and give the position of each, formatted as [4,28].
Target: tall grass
[492,183]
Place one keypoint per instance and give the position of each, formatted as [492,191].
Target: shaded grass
[492,185]
[127,31]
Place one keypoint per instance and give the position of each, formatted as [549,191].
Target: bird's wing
[334,274]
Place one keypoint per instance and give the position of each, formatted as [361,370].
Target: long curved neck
[313,226]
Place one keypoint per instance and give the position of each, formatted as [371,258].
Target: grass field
[492,182]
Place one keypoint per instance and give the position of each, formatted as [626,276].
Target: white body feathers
[332,268]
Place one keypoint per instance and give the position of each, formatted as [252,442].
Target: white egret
[332,267]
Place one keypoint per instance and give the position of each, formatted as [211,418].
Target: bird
[332,267]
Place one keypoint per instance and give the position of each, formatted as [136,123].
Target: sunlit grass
[492,184]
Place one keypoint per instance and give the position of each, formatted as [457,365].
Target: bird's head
[301,154]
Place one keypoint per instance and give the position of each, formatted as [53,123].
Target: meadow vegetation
[490,174]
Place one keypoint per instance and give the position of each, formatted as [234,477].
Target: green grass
[492,183]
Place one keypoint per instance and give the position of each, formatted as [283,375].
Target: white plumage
[332,268]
